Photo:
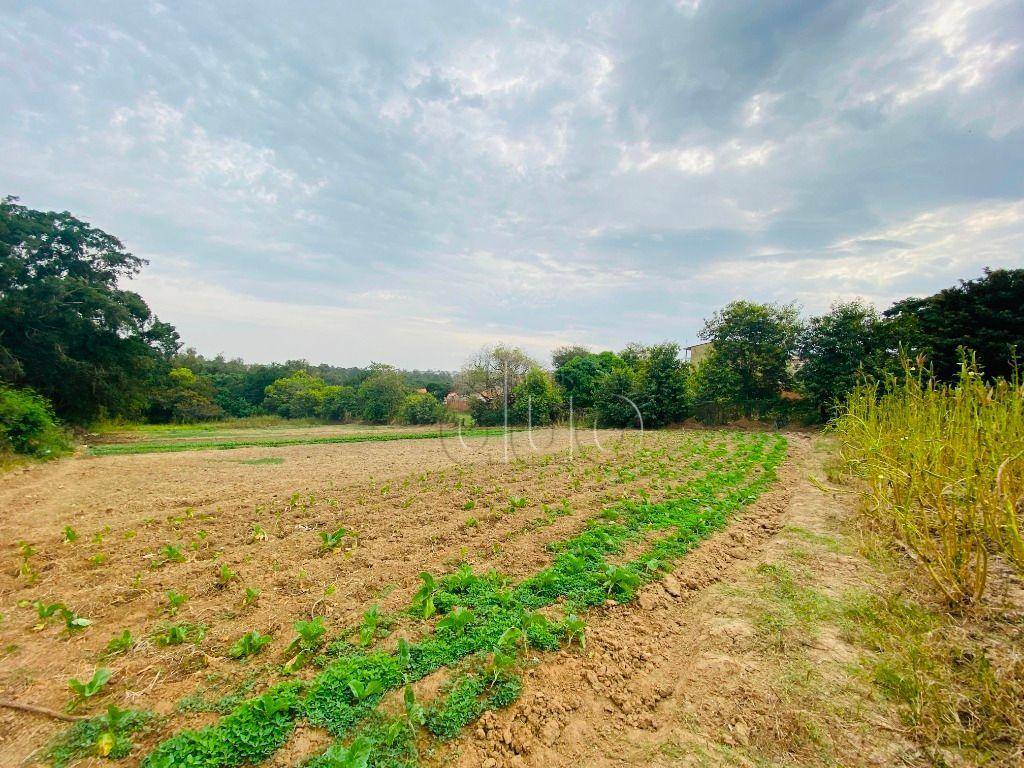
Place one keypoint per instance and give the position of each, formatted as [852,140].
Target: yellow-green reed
[944,470]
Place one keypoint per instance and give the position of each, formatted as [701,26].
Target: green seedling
[456,621]
[170,553]
[70,535]
[174,601]
[176,634]
[355,755]
[301,649]
[251,596]
[100,558]
[73,622]
[331,541]
[620,582]
[46,610]
[404,652]
[120,644]
[248,645]
[362,690]
[114,723]
[368,627]
[414,713]
[225,576]
[423,600]
[257,533]
[575,630]
[90,688]
[469,505]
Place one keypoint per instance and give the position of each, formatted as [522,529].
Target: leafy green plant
[310,636]
[363,689]
[355,755]
[423,600]
[120,644]
[257,533]
[72,621]
[46,610]
[170,553]
[620,582]
[251,596]
[248,645]
[69,535]
[575,630]
[225,576]
[176,634]
[91,687]
[174,601]
[105,735]
[457,620]
[369,624]
[330,541]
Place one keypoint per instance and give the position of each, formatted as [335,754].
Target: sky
[347,182]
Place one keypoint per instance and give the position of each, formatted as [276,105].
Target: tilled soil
[410,506]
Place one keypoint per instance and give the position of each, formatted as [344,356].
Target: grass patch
[262,461]
[953,686]
[121,449]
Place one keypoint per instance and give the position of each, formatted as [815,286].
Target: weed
[105,735]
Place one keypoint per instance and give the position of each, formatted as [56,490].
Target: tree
[752,348]
[421,408]
[184,398]
[616,397]
[982,315]
[561,355]
[663,385]
[580,378]
[66,329]
[484,376]
[300,395]
[837,350]
[381,394]
[340,403]
[536,399]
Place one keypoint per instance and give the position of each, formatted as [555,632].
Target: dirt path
[716,666]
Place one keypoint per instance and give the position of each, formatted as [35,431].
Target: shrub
[420,408]
[28,426]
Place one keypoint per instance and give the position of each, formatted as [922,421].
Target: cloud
[404,184]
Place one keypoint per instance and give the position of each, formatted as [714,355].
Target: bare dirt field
[683,672]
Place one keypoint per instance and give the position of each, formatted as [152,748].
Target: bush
[28,426]
[381,395]
[420,408]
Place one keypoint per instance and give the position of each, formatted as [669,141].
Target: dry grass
[944,472]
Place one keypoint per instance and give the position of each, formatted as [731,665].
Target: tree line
[75,345]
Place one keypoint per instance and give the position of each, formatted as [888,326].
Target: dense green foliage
[752,349]
[838,350]
[420,408]
[28,426]
[66,329]
[984,316]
